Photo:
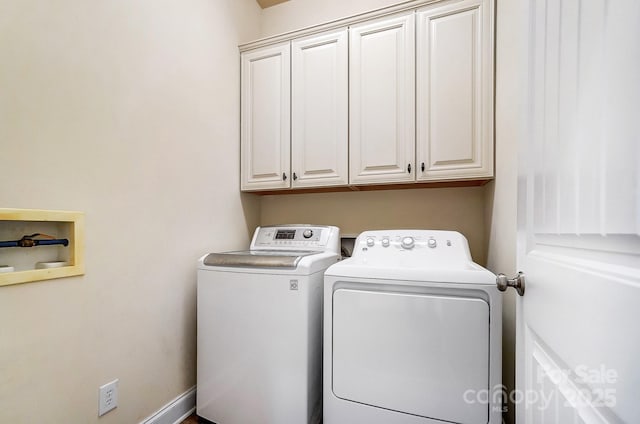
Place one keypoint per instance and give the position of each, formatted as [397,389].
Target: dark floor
[191,420]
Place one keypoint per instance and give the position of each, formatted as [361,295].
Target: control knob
[370,241]
[307,233]
[432,243]
[407,242]
[385,242]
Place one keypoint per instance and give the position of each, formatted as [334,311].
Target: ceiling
[268,3]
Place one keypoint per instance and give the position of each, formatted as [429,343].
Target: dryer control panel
[427,244]
[297,237]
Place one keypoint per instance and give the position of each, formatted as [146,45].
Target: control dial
[307,233]
[407,242]
[385,242]
[432,243]
[370,241]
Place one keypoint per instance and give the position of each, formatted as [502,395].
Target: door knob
[517,283]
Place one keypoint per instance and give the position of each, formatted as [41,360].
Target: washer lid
[257,258]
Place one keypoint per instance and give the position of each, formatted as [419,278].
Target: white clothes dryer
[412,333]
[260,327]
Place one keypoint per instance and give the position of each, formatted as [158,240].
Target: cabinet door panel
[319,115]
[455,92]
[265,129]
[381,91]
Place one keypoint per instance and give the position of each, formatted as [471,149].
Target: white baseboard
[175,411]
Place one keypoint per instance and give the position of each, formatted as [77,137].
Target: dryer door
[420,354]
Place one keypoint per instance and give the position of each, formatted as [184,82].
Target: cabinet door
[381,96]
[319,115]
[455,91]
[265,128]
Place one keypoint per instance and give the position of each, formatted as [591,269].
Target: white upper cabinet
[319,110]
[404,95]
[454,105]
[265,129]
[382,102]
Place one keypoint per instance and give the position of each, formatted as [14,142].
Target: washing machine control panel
[296,237]
[434,243]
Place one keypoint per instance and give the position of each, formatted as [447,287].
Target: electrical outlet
[107,397]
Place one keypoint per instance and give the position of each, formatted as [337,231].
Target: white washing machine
[260,327]
[412,333]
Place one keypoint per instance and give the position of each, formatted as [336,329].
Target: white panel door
[381,96]
[579,214]
[455,91]
[319,110]
[265,129]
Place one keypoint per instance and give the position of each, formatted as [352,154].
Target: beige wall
[296,14]
[459,209]
[127,111]
[501,195]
